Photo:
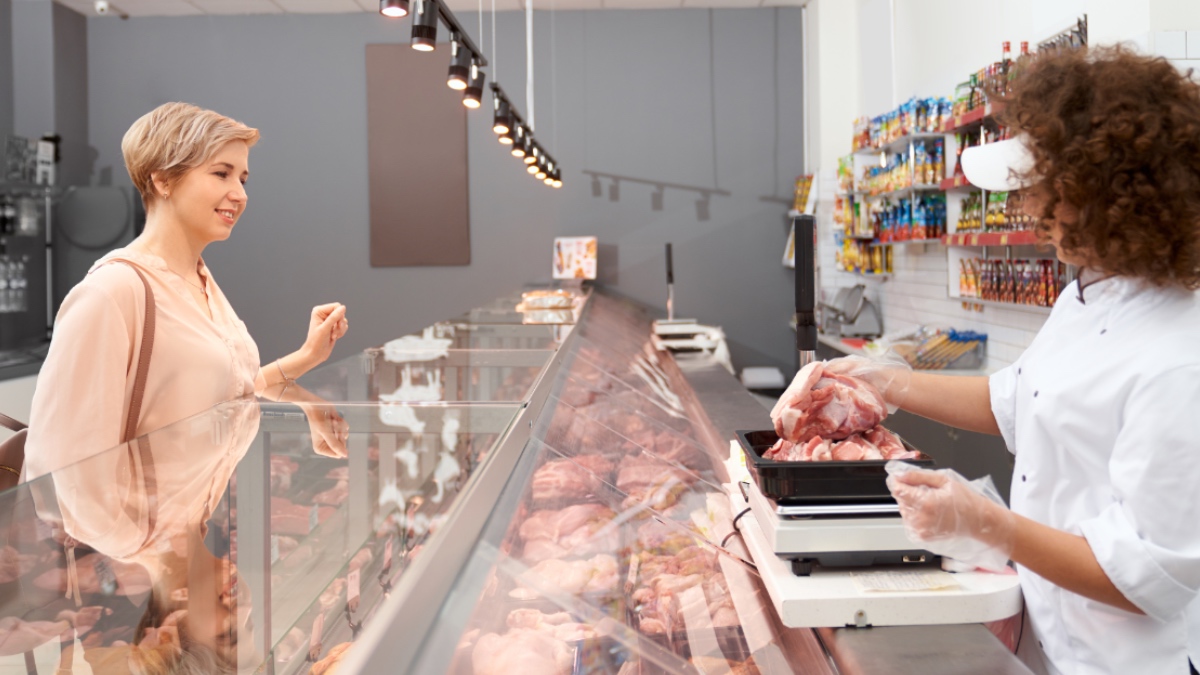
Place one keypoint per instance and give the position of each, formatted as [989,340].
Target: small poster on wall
[574,258]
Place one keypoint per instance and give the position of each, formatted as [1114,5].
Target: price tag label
[1004,240]
[313,518]
[314,640]
[352,592]
[974,240]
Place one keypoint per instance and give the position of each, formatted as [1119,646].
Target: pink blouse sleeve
[80,404]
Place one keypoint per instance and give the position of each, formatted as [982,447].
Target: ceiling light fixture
[460,65]
[558,179]
[548,178]
[501,124]
[393,9]
[531,155]
[473,94]
[518,142]
[424,29]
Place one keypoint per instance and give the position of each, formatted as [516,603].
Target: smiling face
[208,200]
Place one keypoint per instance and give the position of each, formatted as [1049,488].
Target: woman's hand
[328,428]
[326,326]
[950,516]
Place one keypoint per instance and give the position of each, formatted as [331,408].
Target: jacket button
[1022,478]
[1018,371]
[1103,331]
[1035,394]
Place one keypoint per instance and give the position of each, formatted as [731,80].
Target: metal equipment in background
[851,314]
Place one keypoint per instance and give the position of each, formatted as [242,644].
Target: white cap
[998,166]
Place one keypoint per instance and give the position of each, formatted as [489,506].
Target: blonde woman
[190,166]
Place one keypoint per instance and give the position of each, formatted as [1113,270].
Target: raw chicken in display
[560,625]
[329,664]
[826,405]
[597,575]
[574,478]
[523,650]
[666,584]
[651,482]
[579,530]
[874,444]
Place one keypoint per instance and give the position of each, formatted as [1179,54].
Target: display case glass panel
[256,532]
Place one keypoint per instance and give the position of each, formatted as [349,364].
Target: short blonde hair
[173,139]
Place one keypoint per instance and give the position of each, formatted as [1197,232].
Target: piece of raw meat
[825,404]
[651,482]
[580,530]
[335,495]
[560,625]
[522,650]
[574,478]
[573,577]
[329,664]
[293,519]
[874,444]
[14,564]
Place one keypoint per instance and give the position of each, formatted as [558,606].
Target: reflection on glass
[256,532]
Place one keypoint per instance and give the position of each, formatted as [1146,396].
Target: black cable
[1021,631]
[737,532]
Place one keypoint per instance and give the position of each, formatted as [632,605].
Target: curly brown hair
[1116,136]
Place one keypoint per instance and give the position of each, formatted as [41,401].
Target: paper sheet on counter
[904,582]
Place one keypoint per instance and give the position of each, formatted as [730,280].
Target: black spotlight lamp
[515,137]
[549,179]
[541,168]
[473,94]
[531,152]
[424,30]
[460,65]
[531,159]
[526,148]
[393,9]
[502,123]
[558,178]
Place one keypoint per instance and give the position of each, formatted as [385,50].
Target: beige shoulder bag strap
[135,407]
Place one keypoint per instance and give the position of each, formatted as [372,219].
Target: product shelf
[899,144]
[905,242]
[1007,305]
[919,187]
[956,183]
[1014,238]
[973,118]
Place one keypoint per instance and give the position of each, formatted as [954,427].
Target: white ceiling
[199,7]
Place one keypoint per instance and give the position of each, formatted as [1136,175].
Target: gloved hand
[889,373]
[954,517]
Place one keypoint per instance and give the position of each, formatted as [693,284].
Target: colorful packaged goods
[1019,282]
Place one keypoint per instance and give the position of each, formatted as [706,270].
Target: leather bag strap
[9,423]
[135,407]
[143,368]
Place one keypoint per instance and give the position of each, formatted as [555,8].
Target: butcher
[1100,411]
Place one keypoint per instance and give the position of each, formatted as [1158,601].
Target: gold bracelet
[11,470]
[289,381]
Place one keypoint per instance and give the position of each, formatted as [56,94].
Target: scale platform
[834,535]
[854,596]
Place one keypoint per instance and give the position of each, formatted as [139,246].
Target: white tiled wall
[917,294]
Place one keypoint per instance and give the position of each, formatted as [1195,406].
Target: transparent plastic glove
[954,517]
[889,373]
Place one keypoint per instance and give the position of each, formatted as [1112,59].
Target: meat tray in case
[852,482]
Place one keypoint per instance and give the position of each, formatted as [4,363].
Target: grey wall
[71,96]
[709,99]
[33,67]
[6,68]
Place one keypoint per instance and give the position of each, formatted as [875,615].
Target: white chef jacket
[1103,415]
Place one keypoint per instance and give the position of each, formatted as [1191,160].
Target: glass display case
[254,534]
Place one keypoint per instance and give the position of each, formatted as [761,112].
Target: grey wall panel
[418,160]
[676,96]
[33,68]
[71,96]
[6,68]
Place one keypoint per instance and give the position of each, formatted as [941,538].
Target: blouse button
[1035,394]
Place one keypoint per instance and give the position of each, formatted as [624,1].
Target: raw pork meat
[293,519]
[598,575]
[825,404]
[335,495]
[581,529]
[651,482]
[282,468]
[663,578]
[329,664]
[573,478]
[521,650]
[876,443]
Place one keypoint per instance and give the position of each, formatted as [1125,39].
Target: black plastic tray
[859,482]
